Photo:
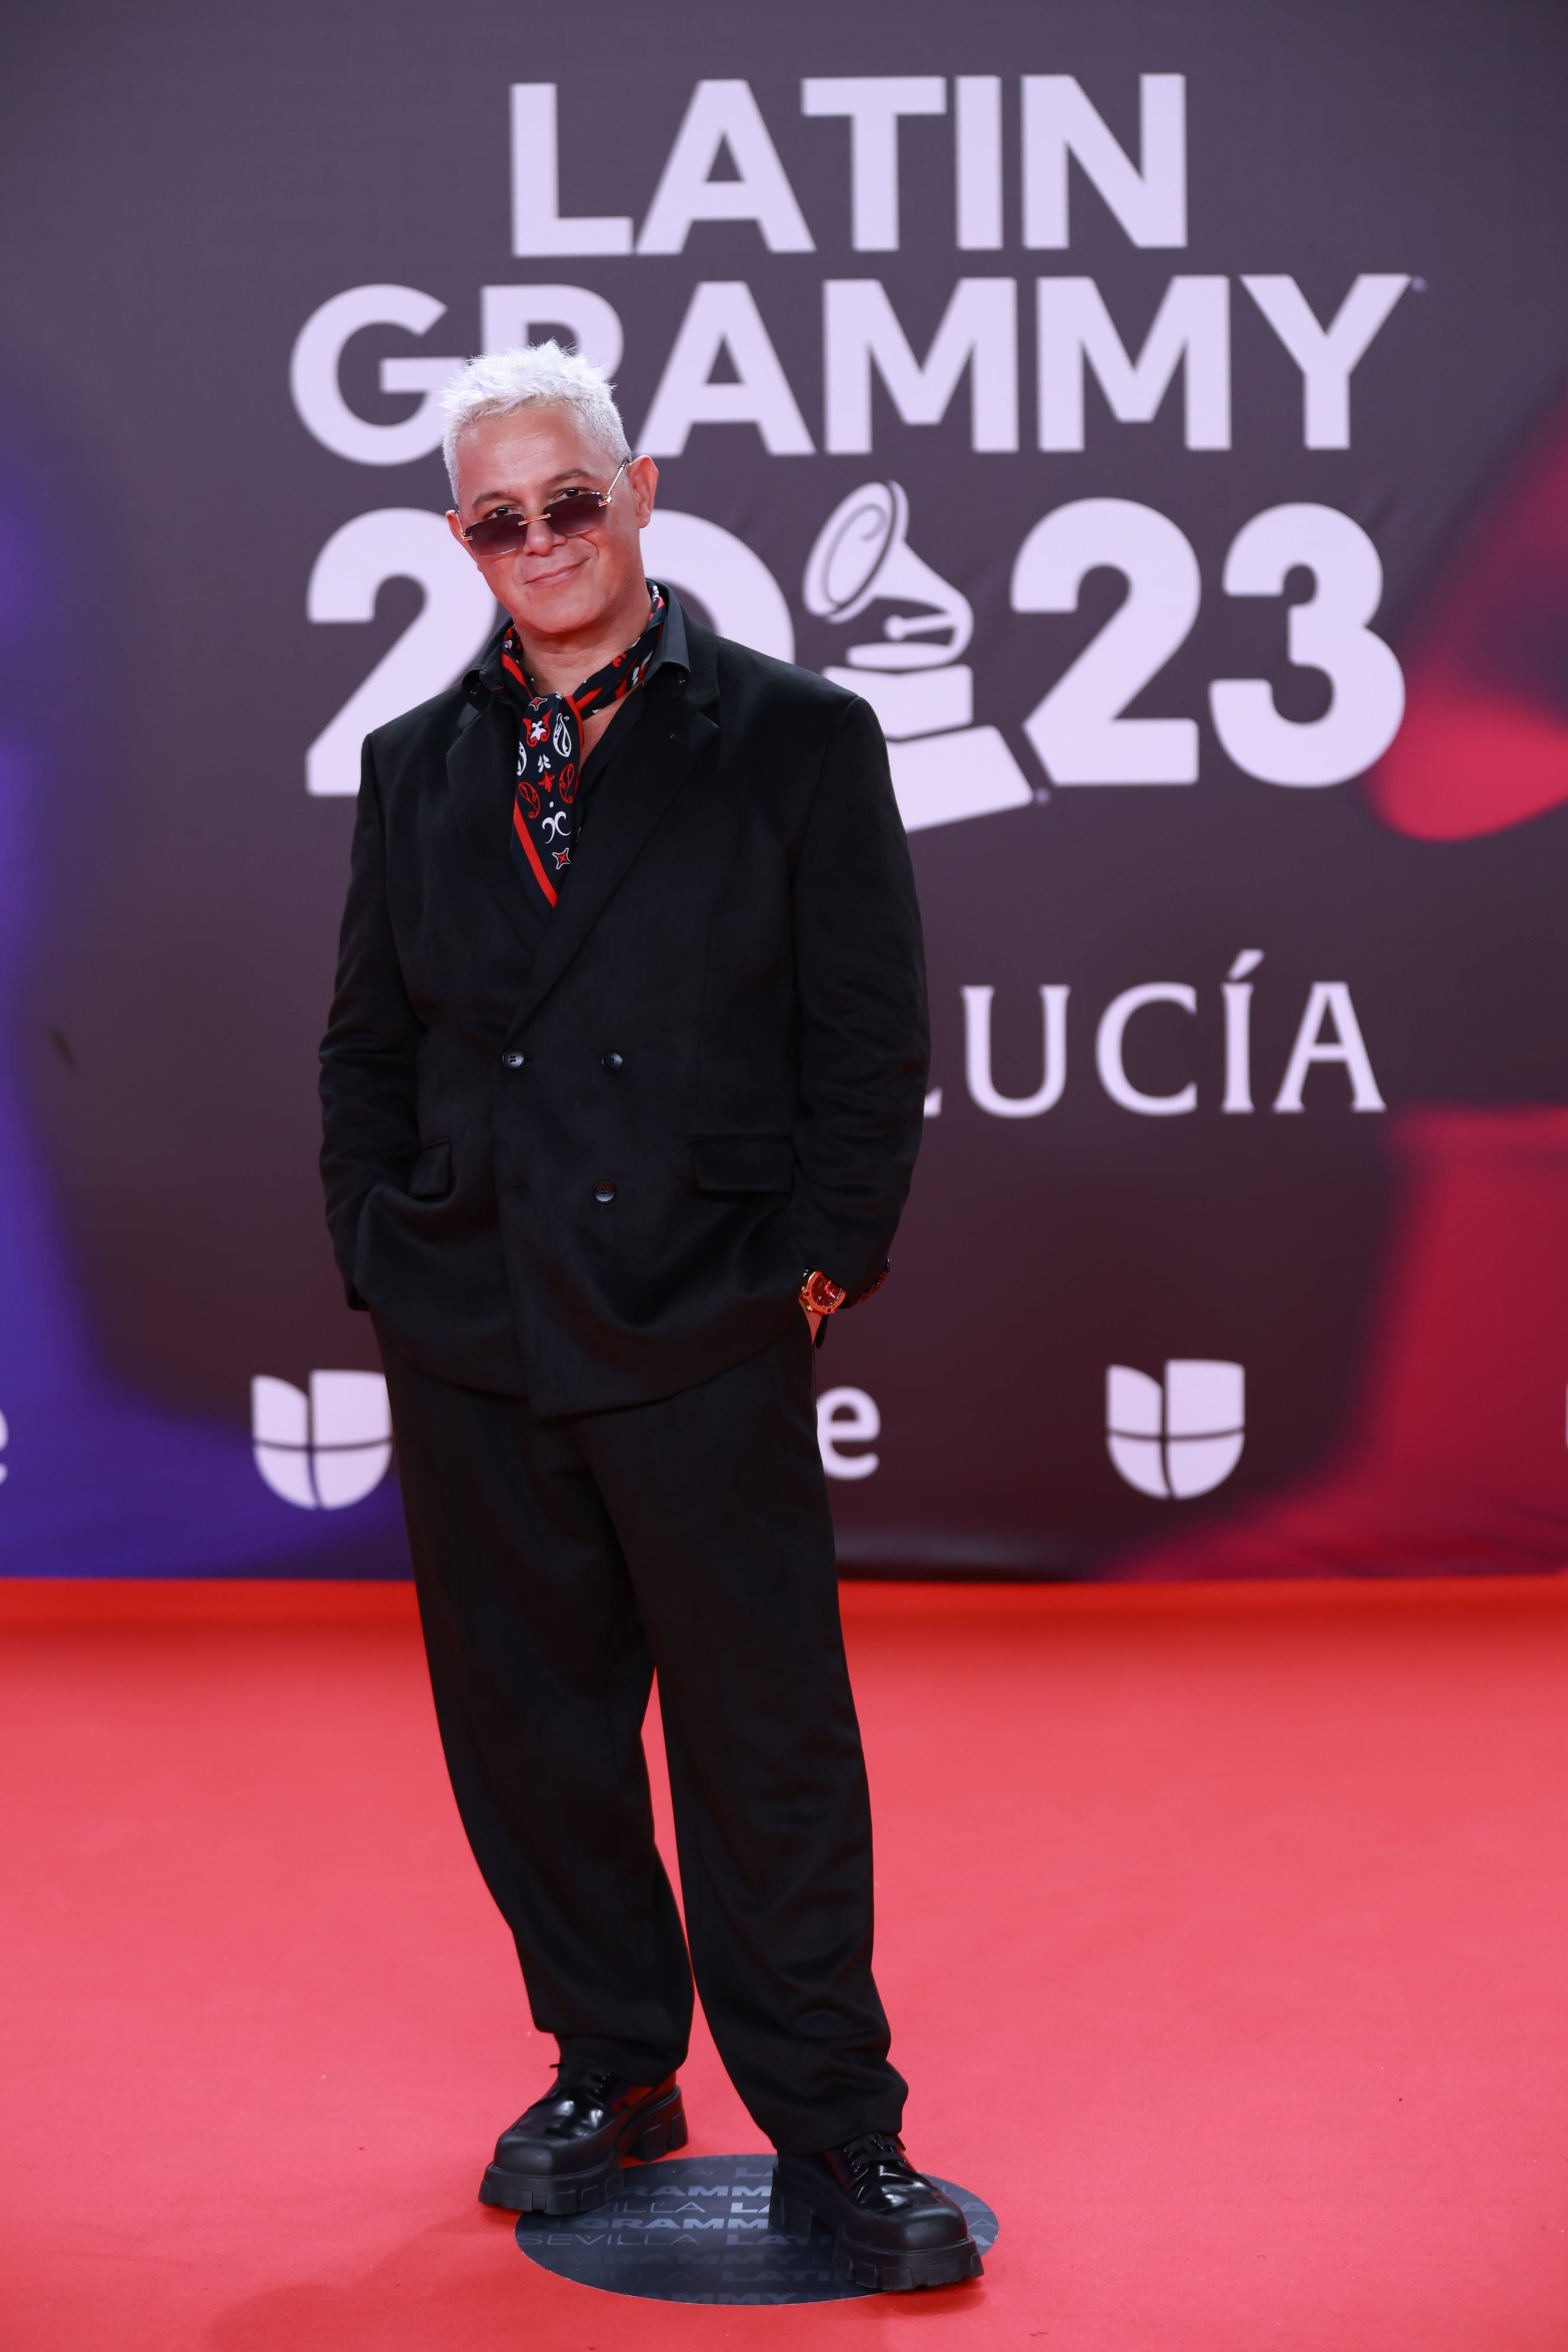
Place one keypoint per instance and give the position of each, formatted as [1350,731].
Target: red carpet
[1223,1933]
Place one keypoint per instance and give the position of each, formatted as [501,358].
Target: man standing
[622,1093]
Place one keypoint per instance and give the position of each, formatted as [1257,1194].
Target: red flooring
[1223,1933]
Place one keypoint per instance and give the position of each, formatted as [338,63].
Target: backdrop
[1152,409]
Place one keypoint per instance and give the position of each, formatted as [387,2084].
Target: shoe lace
[599,2082]
[873,2150]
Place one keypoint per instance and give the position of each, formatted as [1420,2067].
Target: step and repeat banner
[1153,412]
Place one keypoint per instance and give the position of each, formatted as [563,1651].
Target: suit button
[611,1060]
[604,1189]
[514,1061]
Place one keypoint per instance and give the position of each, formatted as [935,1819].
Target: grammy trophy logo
[944,767]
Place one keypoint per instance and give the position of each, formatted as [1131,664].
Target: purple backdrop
[1151,408]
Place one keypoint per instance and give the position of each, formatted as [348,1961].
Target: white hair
[537,375]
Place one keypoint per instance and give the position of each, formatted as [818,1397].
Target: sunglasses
[567,516]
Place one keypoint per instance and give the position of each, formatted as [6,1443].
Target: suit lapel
[631,798]
[480,780]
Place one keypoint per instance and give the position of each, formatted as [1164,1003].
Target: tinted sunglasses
[568,517]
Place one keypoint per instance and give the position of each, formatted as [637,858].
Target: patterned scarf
[545,817]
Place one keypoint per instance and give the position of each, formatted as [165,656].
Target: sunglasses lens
[578,511]
[496,533]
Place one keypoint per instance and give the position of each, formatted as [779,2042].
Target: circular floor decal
[695,2230]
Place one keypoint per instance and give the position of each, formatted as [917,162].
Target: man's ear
[455,525]
[643,476]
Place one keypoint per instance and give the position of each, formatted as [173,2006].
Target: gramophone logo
[1179,1437]
[944,767]
[327,1449]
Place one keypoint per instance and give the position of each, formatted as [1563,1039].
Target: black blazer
[724,1018]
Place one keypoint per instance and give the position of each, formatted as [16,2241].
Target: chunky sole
[654,2131]
[792,2214]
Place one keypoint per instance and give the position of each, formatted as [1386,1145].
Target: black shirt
[671,654]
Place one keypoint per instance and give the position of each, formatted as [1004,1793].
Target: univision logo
[1180,1437]
[326,1449]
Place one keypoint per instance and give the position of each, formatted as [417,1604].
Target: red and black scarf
[545,812]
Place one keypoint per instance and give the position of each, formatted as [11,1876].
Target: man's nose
[540,537]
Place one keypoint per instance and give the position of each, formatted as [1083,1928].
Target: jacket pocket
[432,1172]
[744,1163]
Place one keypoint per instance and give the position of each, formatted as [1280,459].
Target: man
[622,1089]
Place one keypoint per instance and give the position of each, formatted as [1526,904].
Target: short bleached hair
[536,375]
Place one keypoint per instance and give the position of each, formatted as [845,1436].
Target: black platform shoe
[566,2154]
[891,2229]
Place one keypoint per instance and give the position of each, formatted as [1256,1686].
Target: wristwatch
[818,1295]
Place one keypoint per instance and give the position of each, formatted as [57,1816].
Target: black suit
[741,929]
[576,1162]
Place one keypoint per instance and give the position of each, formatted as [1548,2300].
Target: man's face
[554,587]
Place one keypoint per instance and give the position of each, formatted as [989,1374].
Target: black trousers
[559,1563]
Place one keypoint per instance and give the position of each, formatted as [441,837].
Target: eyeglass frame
[523,524]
